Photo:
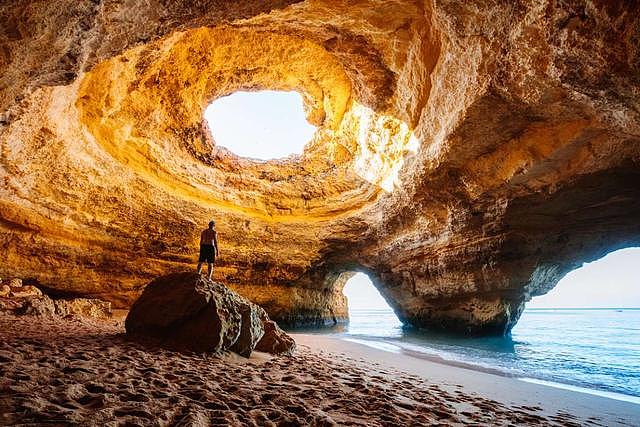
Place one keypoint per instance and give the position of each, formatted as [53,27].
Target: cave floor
[79,371]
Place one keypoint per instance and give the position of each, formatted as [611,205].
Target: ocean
[590,350]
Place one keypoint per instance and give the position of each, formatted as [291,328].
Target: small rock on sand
[5,291]
[14,283]
[86,307]
[37,305]
[19,299]
[275,340]
[26,292]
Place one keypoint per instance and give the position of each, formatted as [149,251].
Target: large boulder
[187,311]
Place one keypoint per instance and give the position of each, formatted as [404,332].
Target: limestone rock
[186,311]
[471,316]
[5,291]
[275,340]
[14,283]
[25,292]
[19,299]
[84,307]
[251,329]
[34,305]
[24,300]
[467,156]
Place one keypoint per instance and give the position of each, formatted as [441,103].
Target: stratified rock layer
[468,154]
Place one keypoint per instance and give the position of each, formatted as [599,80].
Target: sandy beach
[86,372]
[553,404]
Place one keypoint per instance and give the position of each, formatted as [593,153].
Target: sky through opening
[260,125]
[362,295]
[612,281]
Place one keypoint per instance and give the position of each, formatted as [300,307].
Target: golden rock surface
[468,154]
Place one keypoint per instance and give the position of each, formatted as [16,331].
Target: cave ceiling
[467,154]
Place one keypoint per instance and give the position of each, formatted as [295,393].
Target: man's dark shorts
[207,254]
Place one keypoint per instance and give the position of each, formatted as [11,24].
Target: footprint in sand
[156,394]
[133,397]
[132,412]
[91,402]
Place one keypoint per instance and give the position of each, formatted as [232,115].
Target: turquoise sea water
[596,349]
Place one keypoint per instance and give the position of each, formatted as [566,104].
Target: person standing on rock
[208,248]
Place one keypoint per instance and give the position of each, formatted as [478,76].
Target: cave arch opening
[369,312]
[260,125]
[611,281]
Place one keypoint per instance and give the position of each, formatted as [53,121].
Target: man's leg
[210,270]
[200,267]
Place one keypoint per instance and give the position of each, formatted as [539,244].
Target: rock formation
[19,299]
[186,311]
[274,340]
[84,307]
[468,154]
[16,298]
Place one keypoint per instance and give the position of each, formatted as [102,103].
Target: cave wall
[468,154]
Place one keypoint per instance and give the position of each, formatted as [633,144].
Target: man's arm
[215,243]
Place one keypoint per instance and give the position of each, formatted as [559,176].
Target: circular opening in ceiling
[261,125]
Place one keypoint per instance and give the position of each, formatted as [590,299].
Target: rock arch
[467,155]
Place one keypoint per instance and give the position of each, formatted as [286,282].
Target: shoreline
[595,392]
[508,390]
[597,360]
[386,345]
[81,371]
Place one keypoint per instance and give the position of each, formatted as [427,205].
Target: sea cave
[465,156]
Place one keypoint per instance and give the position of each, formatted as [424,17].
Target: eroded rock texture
[186,311]
[468,154]
[19,299]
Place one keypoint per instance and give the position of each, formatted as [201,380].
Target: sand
[86,372]
[556,406]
